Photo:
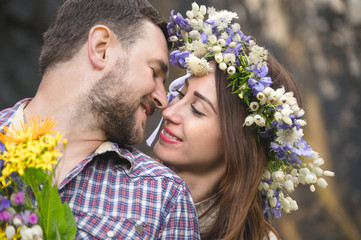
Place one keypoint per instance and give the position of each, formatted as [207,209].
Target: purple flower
[177,58]
[5,215]
[4,203]
[19,197]
[180,21]
[33,219]
[258,86]
[25,216]
[2,147]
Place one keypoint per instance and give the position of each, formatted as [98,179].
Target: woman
[233,132]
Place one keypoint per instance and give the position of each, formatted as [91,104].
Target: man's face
[122,100]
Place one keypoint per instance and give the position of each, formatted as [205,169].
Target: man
[103,66]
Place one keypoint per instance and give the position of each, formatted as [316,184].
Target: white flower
[267,91]
[312,188]
[229,58]
[207,29]
[310,178]
[259,120]
[328,173]
[37,232]
[249,120]
[260,95]
[232,44]
[322,183]
[26,233]
[218,57]
[217,49]
[294,205]
[282,100]
[289,186]
[211,11]
[278,116]
[319,161]
[305,171]
[17,221]
[252,43]
[224,14]
[212,39]
[289,135]
[231,70]
[197,66]
[195,24]
[224,36]
[267,175]
[195,35]
[285,205]
[254,106]
[273,202]
[190,14]
[173,38]
[195,7]
[237,38]
[198,48]
[286,111]
[301,122]
[257,56]
[221,25]
[270,193]
[10,232]
[263,101]
[265,186]
[236,27]
[317,170]
[278,175]
[203,10]
[221,42]
[223,66]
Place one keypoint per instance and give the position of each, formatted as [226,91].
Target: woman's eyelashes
[194,110]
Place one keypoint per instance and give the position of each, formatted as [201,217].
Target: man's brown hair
[71,25]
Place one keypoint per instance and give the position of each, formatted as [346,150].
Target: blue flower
[177,58]
[180,21]
[258,86]
[4,203]
[2,148]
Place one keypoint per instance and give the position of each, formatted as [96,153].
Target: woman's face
[191,138]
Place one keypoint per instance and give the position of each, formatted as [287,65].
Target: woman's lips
[168,136]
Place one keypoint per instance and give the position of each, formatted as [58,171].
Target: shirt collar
[107,146]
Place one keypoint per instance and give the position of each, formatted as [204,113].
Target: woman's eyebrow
[197,94]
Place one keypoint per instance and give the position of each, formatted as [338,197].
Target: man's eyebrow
[197,94]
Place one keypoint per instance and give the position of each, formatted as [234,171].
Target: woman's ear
[99,40]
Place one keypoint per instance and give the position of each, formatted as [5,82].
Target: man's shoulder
[7,113]
[144,165]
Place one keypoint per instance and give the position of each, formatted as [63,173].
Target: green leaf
[70,230]
[34,176]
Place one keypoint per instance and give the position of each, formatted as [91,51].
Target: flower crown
[274,113]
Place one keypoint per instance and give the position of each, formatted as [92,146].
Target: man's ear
[99,40]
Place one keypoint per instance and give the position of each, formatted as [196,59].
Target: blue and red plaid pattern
[124,194]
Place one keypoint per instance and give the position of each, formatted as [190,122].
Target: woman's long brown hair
[239,206]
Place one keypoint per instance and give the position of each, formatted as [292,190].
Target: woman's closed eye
[194,109]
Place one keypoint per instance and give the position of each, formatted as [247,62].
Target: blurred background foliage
[318,41]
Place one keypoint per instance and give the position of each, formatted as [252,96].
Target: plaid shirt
[123,194]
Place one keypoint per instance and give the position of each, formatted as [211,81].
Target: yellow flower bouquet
[30,205]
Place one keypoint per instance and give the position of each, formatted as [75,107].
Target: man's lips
[147,109]
[168,136]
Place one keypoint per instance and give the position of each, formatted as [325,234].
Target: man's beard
[114,109]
